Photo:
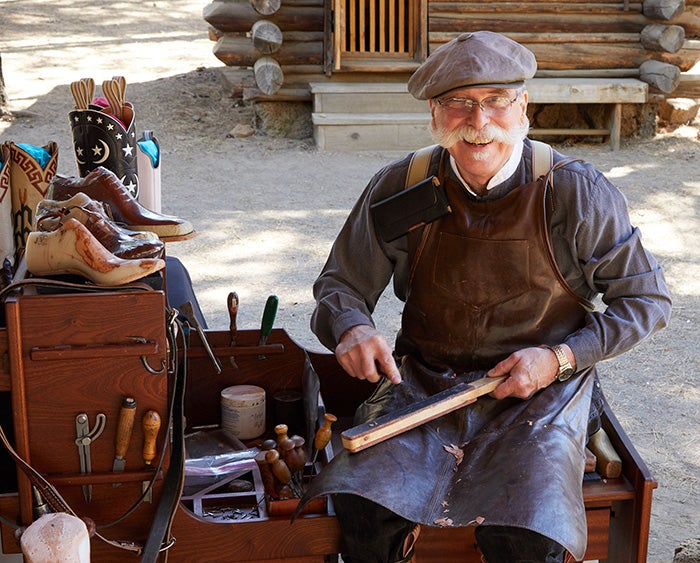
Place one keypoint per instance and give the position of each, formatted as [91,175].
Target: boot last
[72,249]
[110,235]
[104,186]
[55,209]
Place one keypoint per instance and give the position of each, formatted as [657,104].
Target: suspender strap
[418,167]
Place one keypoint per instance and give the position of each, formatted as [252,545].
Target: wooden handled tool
[232,305]
[323,434]
[268,319]
[124,428]
[391,424]
[151,426]
[608,464]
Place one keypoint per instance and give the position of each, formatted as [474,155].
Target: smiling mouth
[479,143]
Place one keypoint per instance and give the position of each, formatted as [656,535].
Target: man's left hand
[528,371]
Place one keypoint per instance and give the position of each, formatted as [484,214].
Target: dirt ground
[267,209]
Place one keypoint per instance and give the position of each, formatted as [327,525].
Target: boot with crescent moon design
[104,134]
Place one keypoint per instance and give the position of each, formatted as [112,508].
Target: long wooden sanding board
[375,431]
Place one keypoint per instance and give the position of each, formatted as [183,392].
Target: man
[500,285]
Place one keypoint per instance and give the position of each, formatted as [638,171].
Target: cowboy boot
[72,249]
[31,171]
[55,208]
[7,239]
[148,159]
[111,236]
[101,139]
[104,186]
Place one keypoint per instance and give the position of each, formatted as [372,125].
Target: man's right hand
[364,353]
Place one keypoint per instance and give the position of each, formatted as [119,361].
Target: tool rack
[68,353]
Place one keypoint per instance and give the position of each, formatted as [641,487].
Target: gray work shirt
[595,246]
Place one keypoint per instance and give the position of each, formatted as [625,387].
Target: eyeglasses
[495,106]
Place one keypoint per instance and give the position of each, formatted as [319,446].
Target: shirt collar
[501,176]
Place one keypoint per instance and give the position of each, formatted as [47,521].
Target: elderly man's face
[479,127]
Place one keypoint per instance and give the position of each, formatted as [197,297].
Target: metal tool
[124,427]
[150,424]
[232,304]
[268,319]
[187,311]
[83,441]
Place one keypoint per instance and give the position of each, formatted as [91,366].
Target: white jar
[243,411]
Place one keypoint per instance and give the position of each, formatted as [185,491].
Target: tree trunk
[268,75]
[267,37]
[3,93]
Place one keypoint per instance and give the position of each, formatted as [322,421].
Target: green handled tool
[268,319]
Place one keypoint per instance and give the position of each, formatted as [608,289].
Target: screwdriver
[268,319]
[232,303]
[323,434]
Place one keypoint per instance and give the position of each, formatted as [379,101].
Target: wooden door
[378,35]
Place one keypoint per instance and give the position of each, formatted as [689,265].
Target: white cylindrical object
[243,411]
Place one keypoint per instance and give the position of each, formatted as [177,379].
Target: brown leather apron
[483,284]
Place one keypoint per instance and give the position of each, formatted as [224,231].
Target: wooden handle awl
[151,426]
[388,425]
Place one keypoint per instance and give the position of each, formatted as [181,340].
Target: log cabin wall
[289,43]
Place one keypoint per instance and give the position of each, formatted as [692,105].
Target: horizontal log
[553,56]
[559,8]
[444,37]
[657,37]
[282,95]
[268,75]
[266,36]
[589,73]
[663,9]
[265,7]
[688,87]
[659,75]
[238,50]
[623,22]
[240,17]
[690,21]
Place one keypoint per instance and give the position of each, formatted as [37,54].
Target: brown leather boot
[104,186]
[72,249]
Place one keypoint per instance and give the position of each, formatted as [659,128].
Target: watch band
[566,370]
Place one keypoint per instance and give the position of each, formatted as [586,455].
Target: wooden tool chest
[66,354]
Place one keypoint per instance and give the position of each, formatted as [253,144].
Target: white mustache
[486,134]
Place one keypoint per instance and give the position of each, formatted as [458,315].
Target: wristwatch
[566,370]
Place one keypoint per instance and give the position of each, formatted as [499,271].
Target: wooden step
[371,131]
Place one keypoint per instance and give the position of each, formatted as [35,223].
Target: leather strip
[172,487]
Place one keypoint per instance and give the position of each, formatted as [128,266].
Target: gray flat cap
[477,59]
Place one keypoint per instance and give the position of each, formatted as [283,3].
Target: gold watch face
[565,373]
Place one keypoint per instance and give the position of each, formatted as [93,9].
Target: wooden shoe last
[72,249]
